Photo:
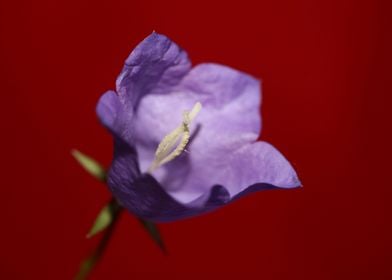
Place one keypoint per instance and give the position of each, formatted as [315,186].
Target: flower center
[174,143]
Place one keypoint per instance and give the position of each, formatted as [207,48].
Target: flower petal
[257,165]
[155,65]
[254,167]
[110,112]
[230,99]
[233,97]
[144,196]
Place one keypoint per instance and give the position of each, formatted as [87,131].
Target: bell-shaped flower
[185,138]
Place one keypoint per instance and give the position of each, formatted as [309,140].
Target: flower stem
[89,263]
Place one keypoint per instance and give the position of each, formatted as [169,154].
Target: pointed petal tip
[293,184]
[156,34]
[296,182]
[299,184]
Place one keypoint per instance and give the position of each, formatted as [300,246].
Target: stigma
[174,143]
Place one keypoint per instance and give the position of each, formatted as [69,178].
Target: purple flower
[185,138]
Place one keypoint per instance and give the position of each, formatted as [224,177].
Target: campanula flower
[185,138]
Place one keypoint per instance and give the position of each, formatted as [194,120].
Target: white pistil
[166,150]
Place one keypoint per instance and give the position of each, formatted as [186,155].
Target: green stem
[89,263]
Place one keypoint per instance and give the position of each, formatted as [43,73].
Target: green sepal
[153,230]
[90,165]
[105,217]
[89,263]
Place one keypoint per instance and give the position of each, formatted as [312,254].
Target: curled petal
[111,113]
[254,167]
[144,196]
[155,65]
[257,163]
[251,167]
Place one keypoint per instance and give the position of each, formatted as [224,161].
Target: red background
[325,67]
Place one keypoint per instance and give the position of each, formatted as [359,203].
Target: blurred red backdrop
[325,67]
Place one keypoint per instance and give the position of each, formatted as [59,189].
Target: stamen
[165,152]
